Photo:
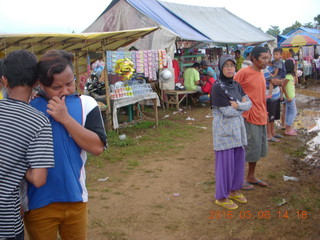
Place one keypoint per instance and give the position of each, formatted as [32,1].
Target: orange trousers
[69,219]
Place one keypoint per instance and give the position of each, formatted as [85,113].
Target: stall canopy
[190,23]
[76,43]
[80,44]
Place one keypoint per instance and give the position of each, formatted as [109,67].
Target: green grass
[152,140]
[133,163]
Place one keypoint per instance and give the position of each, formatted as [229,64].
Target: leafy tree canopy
[274,30]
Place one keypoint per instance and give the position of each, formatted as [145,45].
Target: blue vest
[63,181]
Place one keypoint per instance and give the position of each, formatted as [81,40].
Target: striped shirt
[26,142]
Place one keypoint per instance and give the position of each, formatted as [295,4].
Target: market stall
[131,74]
[79,44]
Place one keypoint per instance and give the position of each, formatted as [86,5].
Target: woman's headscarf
[225,89]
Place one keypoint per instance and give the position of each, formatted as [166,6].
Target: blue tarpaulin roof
[158,13]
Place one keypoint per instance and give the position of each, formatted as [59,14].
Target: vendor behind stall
[206,88]
[205,68]
[191,78]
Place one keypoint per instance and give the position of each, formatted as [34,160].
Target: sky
[66,16]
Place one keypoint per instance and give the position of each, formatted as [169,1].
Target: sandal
[228,205]
[278,136]
[273,139]
[246,186]
[239,198]
[259,183]
[291,133]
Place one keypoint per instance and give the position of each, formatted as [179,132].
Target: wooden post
[77,71]
[106,80]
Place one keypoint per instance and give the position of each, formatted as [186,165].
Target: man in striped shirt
[26,141]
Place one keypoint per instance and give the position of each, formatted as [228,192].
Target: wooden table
[173,97]
[118,103]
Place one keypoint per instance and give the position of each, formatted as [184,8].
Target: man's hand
[276,81]
[58,110]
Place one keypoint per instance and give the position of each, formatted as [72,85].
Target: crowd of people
[244,118]
[251,92]
[45,136]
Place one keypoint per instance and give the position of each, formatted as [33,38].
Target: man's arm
[277,82]
[276,71]
[37,176]
[85,138]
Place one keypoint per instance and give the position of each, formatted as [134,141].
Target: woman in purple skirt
[228,101]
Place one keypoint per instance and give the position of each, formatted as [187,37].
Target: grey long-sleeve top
[228,126]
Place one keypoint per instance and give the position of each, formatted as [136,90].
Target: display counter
[122,102]
[174,99]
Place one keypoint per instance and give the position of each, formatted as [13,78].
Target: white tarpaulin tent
[177,22]
[218,24]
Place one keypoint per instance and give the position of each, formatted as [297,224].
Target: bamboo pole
[106,80]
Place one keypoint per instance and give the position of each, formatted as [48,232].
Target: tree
[308,25]
[273,31]
[289,29]
[317,19]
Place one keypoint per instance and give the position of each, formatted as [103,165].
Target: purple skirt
[229,171]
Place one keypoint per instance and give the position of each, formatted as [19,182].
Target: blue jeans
[204,98]
[291,112]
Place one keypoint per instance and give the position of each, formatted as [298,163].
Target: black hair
[256,51]
[20,68]
[196,65]
[237,51]
[278,49]
[289,66]
[53,62]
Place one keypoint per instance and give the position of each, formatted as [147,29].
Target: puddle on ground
[308,118]
[313,156]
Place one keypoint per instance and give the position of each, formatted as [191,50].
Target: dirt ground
[168,193]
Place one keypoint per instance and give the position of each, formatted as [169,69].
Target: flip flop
[291,133]
[225,204]
[273,139]
[246,186]
[278,136]
[239,198]
[259,183]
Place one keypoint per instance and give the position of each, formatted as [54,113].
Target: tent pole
[77,71]
[106,81]
[227,46]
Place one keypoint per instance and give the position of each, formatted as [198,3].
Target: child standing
[279,69]
[289,94]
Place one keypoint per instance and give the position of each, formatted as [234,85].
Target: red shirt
[253,84]
[206,88]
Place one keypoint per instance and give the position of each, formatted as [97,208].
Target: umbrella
[300,40]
